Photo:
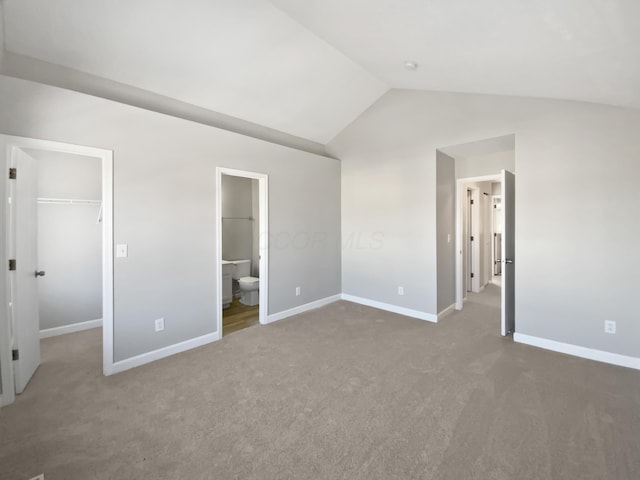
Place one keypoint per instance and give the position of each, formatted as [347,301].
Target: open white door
[23,284]
[508,251]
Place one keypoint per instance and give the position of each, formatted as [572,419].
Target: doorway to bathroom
[241,249]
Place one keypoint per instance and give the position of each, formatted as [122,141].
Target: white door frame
[461,198]
[263,236]
[14,143]
[473,248]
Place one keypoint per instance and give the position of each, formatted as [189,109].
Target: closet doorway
[59,249]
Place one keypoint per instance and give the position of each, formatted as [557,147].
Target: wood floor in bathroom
[238,316]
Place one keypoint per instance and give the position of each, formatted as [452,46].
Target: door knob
[40,273]
[508,260]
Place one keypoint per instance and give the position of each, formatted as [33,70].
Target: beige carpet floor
[342,392]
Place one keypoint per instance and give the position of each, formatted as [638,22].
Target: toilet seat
[248,281]
[249,291]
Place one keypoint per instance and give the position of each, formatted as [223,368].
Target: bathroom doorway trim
[263,236]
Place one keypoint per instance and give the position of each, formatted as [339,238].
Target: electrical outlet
[297,291]
[159,324]
[122,250]
[400,290]
[610,326]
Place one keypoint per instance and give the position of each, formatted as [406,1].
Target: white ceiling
[309,68]
[585,50]
[243,58]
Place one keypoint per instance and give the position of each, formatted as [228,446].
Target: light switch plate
[610,326]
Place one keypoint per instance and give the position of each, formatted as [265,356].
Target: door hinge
[15,355]
[472,238]
[12,264]
[471,202]
[13,173]
[472,275]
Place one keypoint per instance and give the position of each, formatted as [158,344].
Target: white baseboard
[148,357]
[429,317]
[446,311]
[302,308]
[74,327]
[577,351]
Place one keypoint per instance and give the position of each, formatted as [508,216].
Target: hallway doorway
[475,200]
[485,218]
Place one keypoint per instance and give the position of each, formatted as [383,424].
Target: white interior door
[24,281]
[508,252]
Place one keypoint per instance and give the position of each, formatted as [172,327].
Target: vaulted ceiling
[244,58]
[309,68]
[587,50]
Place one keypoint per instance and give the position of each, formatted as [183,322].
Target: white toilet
[249,286]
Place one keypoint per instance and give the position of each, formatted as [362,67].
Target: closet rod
[69,201]
[238,218]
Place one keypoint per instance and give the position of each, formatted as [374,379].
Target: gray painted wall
[388,215]
[489,164]
[164,209]
[567,283]
[485,233]
[69,239]
[239,234]
[446,229]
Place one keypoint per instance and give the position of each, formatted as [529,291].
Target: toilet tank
[243,269]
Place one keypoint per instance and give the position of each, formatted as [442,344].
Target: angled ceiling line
[27,68]
[244,59]
[31,69]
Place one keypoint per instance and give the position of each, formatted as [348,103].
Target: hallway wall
[389,186]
